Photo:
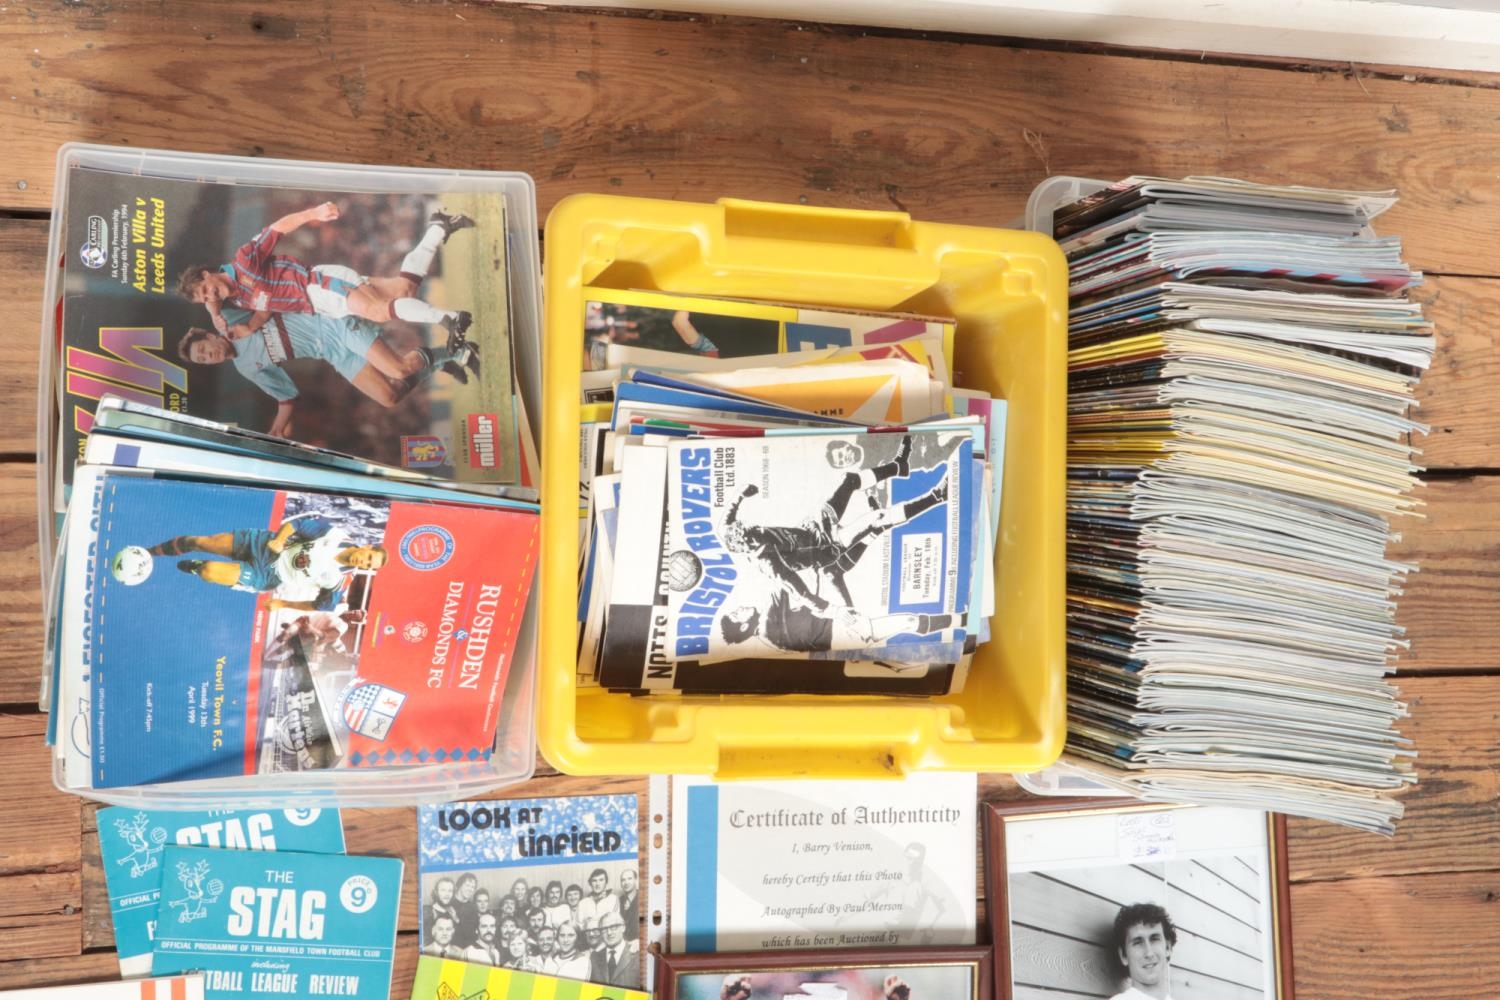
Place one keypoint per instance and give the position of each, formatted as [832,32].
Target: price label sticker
[1147,836]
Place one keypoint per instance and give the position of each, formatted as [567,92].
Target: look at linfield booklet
[371,323]
[450,979]
[189,987]
[771,546]
[131,842]
[543,863]
[239,630]
[259,924]
[765,865]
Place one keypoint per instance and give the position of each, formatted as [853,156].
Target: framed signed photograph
[1132,901]
[949,973]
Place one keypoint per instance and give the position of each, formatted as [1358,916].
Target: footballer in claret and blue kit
[373,324]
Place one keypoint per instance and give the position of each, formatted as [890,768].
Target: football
[684,570]
[132,565]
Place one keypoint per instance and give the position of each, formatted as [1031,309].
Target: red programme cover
[237,630]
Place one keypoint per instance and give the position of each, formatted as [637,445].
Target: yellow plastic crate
[1008,292]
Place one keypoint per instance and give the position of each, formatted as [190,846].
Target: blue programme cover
[278,925]
[131,842]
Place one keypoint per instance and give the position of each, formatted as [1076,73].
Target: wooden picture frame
[936,973]
[1059,874]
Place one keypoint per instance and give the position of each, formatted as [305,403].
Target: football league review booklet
[131,842]
[450,979]
[260,924]
[762,865]
[376,323]
[242,630]
[544,863]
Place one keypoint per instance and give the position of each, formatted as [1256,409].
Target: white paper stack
[1242,365]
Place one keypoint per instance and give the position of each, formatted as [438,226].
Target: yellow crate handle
[811,224]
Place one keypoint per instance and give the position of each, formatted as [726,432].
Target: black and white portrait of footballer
[1187,912]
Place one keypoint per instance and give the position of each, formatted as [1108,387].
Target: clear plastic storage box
[514,753]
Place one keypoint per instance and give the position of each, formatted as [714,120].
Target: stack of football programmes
[1242,364]
[215,627]
[131,842]
[780,499]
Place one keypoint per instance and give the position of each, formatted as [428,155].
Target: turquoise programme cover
[131,842]
[278,925]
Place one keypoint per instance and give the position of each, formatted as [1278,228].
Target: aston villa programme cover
[373,324]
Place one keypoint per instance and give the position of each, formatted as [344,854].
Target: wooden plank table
[947,129]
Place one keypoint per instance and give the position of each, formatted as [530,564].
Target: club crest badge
[423,451]
[371,709]
[427,546]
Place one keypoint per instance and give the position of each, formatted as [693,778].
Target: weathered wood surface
[89,967]
[40,842]
[1430,936]
[692,109]
[1452,820]
[23,247]
[45,842]
[1452,598]
[1456,397]
[20,586]
[955,131]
